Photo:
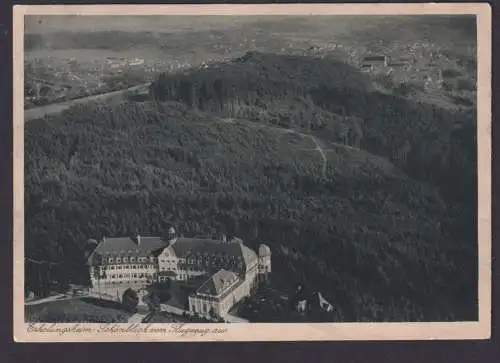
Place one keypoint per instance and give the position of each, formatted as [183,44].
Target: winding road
[58,297]
[38,112]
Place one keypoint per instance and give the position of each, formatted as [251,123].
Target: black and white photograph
[218,169]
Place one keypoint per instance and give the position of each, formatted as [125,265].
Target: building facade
[218,294]
[124,260]
[222,272]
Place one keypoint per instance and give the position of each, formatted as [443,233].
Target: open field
[76,310]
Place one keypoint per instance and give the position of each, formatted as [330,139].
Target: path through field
[44,300]
[319,147]
[58,297]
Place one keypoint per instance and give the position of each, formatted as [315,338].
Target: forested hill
[338,103]
[346,218]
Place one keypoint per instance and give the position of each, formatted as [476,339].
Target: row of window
[126,282]
[137,276]
[168,268]
[133,267]
[215,264]
[199,259]
[167,261]
[207,308]
[188,277]
[131,259]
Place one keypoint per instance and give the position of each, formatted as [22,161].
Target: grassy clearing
[76,311]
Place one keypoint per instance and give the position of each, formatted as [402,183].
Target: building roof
[374,58]
[183,247]
[126,246]
[218,283]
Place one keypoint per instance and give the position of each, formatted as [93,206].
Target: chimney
[138,240]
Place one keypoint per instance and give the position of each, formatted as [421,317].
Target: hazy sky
[54,23]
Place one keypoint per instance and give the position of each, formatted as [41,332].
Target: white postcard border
[25,332]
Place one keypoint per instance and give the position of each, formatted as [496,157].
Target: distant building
[302,306]
[264,261]
[366,68]
[322,303]
[376,60]
[136,62]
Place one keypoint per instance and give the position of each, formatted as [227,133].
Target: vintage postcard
[252,172]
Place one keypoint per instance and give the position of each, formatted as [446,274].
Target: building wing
[126,246]
[184,247]
[218,283]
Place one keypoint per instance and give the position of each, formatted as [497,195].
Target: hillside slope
[334,101]
[371,238]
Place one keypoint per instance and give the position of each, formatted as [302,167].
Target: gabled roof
[248,255]
[218,282]
[126,246]
[184,246]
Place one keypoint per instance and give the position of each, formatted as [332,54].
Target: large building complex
[227,270]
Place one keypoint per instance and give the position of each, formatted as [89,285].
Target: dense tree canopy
[387,232]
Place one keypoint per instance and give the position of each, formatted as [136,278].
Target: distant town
[51,80]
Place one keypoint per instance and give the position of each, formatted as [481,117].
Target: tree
[212,313]
[153,301]
[130,300]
